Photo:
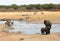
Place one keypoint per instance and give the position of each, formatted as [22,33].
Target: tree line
[30,7]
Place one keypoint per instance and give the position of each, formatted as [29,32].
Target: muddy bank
[24,37]
[10,36]
[37,17]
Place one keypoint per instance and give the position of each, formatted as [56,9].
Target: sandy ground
[22,37]
[10,36]
[3,28]
[53,16]
[6,36]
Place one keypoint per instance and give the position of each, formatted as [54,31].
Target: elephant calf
[47,28]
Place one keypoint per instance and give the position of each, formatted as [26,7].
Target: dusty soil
[40,16]
[52,16]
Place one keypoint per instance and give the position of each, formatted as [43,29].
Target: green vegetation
[14,6]
[31,7]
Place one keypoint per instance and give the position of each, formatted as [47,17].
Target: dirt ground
[40,16]
[10,36]
[52,16]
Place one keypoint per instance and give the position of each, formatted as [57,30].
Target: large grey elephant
[47,28]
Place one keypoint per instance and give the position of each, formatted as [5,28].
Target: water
[31,28]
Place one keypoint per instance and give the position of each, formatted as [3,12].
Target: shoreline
[11,36]
[53,16]
[26,37]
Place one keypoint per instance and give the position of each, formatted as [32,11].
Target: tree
[38,6]
[14,6]
[29,6]
[47,6]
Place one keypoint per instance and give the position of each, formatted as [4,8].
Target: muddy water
[31,28]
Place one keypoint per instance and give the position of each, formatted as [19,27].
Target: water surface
[31,28]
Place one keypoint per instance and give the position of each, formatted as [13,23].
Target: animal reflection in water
[47,28]
[8,24]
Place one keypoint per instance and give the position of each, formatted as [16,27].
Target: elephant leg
[42,31]
[47,32]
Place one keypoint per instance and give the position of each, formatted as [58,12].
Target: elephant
[47,28]
[47,23]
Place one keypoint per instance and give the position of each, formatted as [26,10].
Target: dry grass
[53,16]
